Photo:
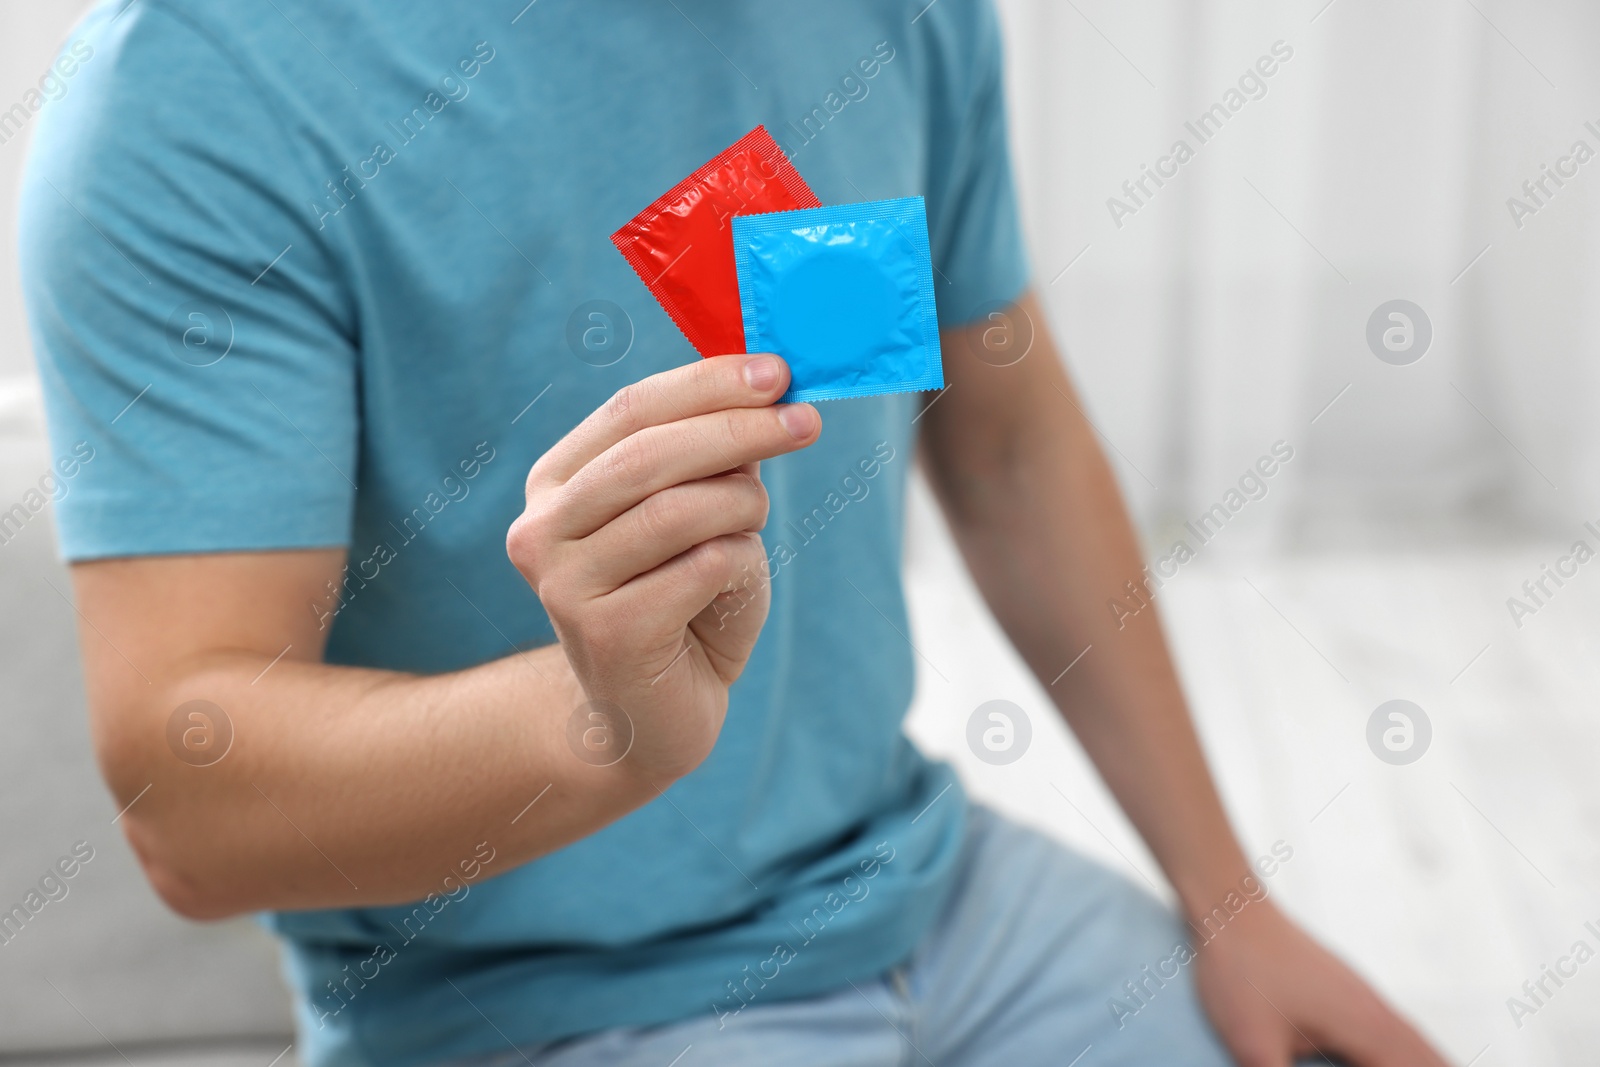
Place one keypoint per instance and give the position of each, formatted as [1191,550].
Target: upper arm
[1007,391]
[974,225]
[211,404]
[150,626]
[996,350]
[208,404]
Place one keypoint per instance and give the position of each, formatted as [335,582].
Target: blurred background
[1241,307]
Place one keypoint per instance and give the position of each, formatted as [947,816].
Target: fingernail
[798,419]
[761,373]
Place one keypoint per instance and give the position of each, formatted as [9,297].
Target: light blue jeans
[1020,971]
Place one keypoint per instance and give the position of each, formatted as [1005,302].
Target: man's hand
[637,522]
[1274,994]
[1037,513]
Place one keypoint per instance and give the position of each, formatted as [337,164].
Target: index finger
[707,385]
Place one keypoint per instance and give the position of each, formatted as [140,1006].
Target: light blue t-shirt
[336,272]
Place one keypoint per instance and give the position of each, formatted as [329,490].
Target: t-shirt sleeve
[192,332]
[973,218]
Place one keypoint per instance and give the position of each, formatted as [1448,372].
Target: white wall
[1206,326]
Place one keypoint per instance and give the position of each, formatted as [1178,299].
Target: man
[318,281]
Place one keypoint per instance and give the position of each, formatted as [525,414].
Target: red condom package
[681,246]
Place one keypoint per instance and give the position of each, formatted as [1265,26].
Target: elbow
[182,886]
[158,817]
[185,896]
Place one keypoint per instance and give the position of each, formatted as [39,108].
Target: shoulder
[163,167]
[952,48]
[145,78]
[156,101]
[962,31]
[160,42]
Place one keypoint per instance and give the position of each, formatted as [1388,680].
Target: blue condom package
[844,294]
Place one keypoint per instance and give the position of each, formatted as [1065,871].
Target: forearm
[252,775]
[1042,526]
[356,787]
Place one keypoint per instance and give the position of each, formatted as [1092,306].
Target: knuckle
[543,561]
[711,560]
[623,406]
[724,377]
[537,525]
[752,553]
[755,505]
[744,427]
[552,591]
[661,515]
[747,572]
[737,554]
[523,541]
[517,539]
[760,489]
[630,463]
